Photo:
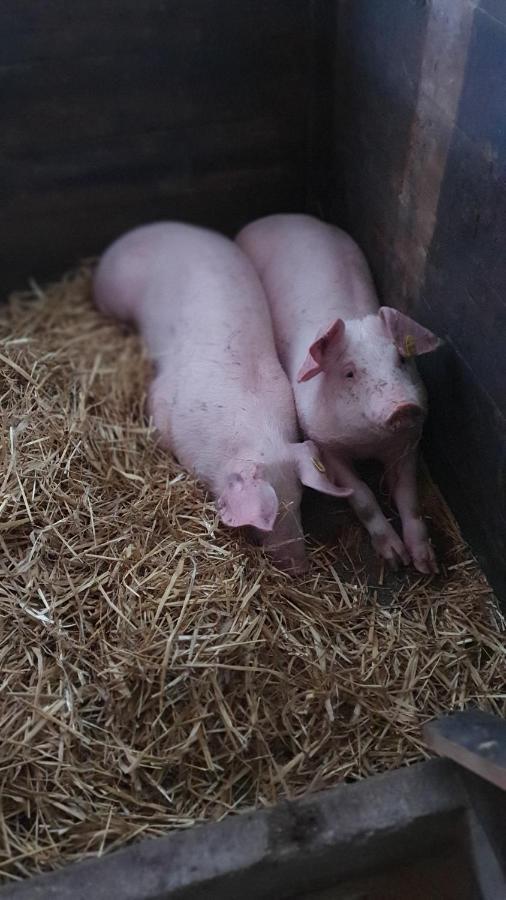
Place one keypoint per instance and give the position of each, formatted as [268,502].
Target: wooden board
[118,113]
[419,156]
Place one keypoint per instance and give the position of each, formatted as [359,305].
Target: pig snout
[290,559]
[288,554]
[405,416]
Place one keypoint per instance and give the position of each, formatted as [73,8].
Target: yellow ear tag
[318,465]
[409,346]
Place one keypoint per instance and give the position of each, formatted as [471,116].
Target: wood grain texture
[474,739]
[378,59]
[118,113]
[464,297]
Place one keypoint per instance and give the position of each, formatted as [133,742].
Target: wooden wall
[119,112]
[415,168]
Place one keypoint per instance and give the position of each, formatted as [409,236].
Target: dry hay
[155,670]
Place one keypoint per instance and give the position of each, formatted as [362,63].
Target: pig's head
[368,377]
[266,497]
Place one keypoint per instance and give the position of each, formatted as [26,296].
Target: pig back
[204,300]
[312,272]
[183,285]
[122,277]
[203,314]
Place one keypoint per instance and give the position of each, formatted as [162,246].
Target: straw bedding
[156,671]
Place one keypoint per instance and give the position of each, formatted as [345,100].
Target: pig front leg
[385,539]
[403,487]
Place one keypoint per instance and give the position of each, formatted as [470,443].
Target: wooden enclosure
[385,116]
[410,105]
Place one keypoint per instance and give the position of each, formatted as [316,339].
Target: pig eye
[348,370]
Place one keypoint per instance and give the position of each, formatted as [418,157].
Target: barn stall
[158,672]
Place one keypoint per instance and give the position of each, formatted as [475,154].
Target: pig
[351,366]
[220,400]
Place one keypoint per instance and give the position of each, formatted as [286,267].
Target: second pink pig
[351,365]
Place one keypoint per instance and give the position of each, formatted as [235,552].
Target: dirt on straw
[156,671]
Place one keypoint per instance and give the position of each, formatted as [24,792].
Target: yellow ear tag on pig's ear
[317,463]
[409,346]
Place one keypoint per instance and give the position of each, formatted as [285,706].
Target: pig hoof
[390,547]
[424,559]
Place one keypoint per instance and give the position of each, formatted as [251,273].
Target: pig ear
[313,363]
[410,338]
[311,471]
[248,500]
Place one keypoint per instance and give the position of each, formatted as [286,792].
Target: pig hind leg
[159,412]
[403,487]
[385,539]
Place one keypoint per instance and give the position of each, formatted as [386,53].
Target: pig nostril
[405,416]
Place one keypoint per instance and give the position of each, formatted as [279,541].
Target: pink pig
[220,398]
[350,363]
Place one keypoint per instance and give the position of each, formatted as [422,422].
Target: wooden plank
[379,53]
[466,268]
[475,740]
[51,105]
[321,88]
[465,447]
[421,158]
[55,14]
[464,300]
[121,112]
[56,30]
[251,144]
[79,221]
[442,73]
[350,832]
[495,9]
